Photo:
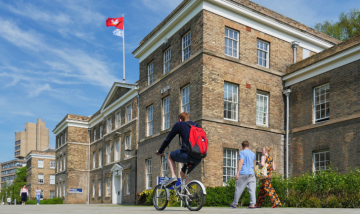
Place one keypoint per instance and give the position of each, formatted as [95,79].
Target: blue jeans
[182,157]
[38,199]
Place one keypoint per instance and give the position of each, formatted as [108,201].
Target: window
[58,142]
[40,178]
[60,186]
[94,160]
[117,151]
[100,158]
[52,164]
[64,161]
[58,165]
[118,119]
[17,148]
[109,125]
[57,190]
[108,186]
[99,187]
[18,142]
[150,73]
[61,160]
[128,113]
[258,157]
[150,121]
[230,101]
[186,49]
[40,163]
[64,137]
[229,164]
[231,42]
[127,146]
[128,183]
[167,57]
[64,189]
[185,99]
[101,131]
[17,153]
[262,53]
[306,53]
[52,194]
[108,153]
[166,113]
[61,140]
[93,189]
[322,103]
[262,108]
[164,165]
[52,179]
[149,174]
[321,161]
[94,134]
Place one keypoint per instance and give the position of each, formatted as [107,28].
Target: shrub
[47,201]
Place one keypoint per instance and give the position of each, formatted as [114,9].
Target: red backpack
[198,142]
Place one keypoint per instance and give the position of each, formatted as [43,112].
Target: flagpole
[123,50]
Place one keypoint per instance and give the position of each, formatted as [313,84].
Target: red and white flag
[115,22]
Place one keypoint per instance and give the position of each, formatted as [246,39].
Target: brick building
[325,110]
[223,62]
[41,173]
[8,170]
[113,151]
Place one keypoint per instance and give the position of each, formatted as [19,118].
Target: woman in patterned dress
[266,187]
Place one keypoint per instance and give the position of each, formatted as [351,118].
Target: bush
[47,201]
[326,189]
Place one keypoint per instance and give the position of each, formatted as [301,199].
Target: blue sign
[73,190]
[161,179]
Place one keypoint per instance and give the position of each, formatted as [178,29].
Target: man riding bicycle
[181,155]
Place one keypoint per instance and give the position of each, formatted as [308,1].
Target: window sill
[230,120]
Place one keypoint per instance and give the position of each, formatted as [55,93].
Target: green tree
[15,187]
[345,28]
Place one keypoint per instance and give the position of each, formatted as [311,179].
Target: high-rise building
[35,137]
[8,170]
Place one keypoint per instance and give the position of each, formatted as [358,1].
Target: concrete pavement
[109,209]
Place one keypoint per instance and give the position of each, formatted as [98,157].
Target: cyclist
[180,155]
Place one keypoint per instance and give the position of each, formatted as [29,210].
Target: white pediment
[116,167]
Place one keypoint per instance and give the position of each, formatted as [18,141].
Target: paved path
[115,209]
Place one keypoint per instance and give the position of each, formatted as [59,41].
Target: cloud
[23,113]
[160,5]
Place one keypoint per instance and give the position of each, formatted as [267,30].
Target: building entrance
[116,184]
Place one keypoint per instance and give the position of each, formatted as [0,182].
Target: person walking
[38,195]
[245,176]
[24,194]
[266,187]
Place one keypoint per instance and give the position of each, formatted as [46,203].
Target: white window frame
[99,187]
[61,140]
[60,186]
[108,153]
[149,174]
[128,116]
[118,119]
[64,189]
[117,150]
[233,163]
[94,160]
[326,165]
[128,183]
[185,99]
[326,103]
[40,163]
[262,110]
[108,188]
[151,73]
[64,161]
[52,179]
[101,131]
[95,134]
[52,194]
[65,138]
[109,125]
[262,50]
[150,120]
[100,158]
[93,189]
[167,63]
[164,165]
[233,102]
[40,178]
[306,53]
[186,37]
[53,164]
[61,160]
[166,113]
[127,145]
[232,39]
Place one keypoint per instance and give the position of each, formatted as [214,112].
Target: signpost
[74,190]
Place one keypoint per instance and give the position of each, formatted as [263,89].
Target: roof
[335,50]
[257,8]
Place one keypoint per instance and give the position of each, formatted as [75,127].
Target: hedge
[47,201]
[326,189]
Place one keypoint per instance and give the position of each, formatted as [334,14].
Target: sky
[58,57]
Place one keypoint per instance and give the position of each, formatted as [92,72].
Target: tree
[15,187]
[345,28]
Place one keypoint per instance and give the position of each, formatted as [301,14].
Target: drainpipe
[287,94]
[294,45]
[88,202]
[137,150]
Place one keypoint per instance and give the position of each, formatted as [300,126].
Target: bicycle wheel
[160,197]
[195,201]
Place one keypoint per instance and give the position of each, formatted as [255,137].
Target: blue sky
[58,57]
